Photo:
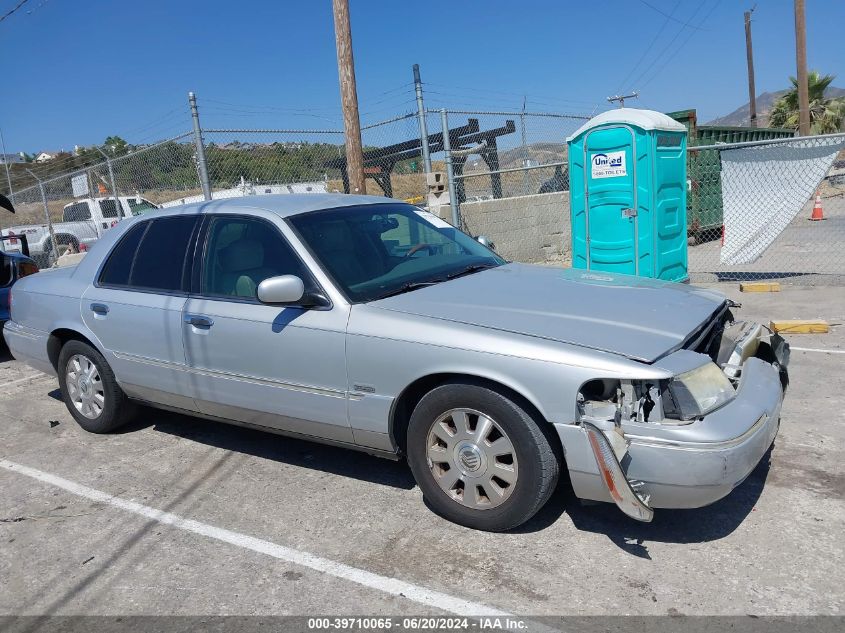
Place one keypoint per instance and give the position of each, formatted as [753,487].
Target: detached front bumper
[686,466]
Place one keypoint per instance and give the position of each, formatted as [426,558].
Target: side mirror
[281,289]
[486,241]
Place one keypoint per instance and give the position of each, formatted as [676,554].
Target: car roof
[283,205]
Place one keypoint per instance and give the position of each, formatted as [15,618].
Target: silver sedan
[372,324]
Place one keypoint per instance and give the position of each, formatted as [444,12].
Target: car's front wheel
[90,390]
[480,459]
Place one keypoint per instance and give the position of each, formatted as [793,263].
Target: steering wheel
[419,247]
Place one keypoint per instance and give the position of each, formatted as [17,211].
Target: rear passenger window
[160,261]
[151,256]
[119,264]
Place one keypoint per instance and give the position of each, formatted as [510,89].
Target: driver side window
[243,252]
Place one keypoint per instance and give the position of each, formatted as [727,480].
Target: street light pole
[46,213]
[117,208]
[426,156]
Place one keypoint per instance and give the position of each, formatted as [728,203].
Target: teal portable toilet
[628,194]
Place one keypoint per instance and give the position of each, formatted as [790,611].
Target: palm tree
[826,115]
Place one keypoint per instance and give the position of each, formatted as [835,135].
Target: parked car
[369,323]
[13,266]
[83,222]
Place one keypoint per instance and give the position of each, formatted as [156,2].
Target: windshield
[374,251]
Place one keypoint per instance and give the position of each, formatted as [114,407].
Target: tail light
[26,269]
[83,248]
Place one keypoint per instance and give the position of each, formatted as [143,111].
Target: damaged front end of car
[688,438]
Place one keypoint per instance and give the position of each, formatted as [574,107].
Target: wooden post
[752,99]
[349,97]
[801,62]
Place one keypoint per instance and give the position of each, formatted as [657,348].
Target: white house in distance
[43,157]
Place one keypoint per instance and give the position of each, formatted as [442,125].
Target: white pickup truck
[83,222]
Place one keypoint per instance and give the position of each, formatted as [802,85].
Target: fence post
[524,151]
[426,156]
[450,174]
[47,215]
[118,209]
[201,164]
[6,164]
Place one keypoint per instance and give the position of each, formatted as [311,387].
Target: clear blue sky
[75,71]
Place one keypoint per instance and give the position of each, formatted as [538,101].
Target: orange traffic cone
[818,212]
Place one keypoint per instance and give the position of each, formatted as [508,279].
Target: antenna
[621,98]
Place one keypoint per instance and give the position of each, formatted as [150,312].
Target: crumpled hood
[638,318]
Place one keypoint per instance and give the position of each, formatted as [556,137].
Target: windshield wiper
[470,269]
[408,287]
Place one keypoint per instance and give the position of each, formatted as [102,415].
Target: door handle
[100,308]
[198,320]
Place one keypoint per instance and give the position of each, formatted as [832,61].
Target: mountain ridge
[765,101]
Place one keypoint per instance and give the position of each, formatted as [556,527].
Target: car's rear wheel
[480,459]
[90,390]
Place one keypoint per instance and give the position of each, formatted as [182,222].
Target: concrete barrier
[532,229]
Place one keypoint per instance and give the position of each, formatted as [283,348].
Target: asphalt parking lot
[177,515]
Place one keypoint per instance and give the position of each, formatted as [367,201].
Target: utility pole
[426,156]
[349,97]
[202,165]
[752,99]
[801,62]
[621,98]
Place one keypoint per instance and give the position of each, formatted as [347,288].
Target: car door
[135,309]
[612,210]
[276,366]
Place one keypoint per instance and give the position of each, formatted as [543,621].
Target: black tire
[116,410]
[538,463]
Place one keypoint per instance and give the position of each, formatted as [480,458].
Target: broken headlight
[697,392]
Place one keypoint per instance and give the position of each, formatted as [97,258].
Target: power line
[662,54]
[650,46]
[668,16]
[473,90]
[11,11]
[684,43]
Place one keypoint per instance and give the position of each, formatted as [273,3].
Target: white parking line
[392,586]
[20,380]
[815,349]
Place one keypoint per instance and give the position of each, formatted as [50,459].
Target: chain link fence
[510,177]
[750,209]
[768,210]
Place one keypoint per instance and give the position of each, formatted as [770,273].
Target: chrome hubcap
[472,459]
[84,386]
